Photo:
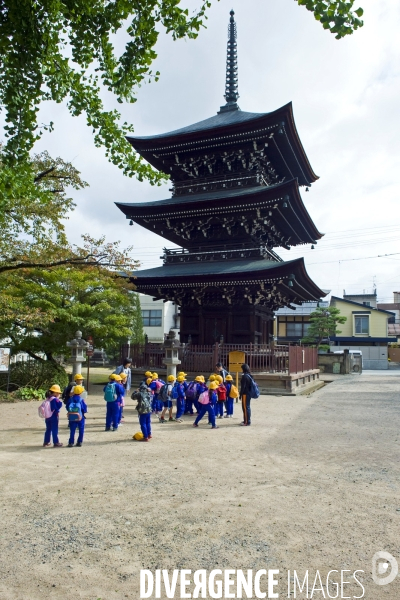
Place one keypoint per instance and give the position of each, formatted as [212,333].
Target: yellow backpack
[234,393]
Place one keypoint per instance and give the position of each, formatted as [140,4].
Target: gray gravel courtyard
[312,484]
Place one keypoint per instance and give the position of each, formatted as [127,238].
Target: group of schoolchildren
[74,396]
[154,396]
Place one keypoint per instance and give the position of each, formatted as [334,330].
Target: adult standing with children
[126,369]
[248,390]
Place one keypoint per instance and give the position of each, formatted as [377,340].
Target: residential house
[366,329]
[292,325]
[366,299]
[159,318]
[394,322]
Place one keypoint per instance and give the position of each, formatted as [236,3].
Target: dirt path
[313,484]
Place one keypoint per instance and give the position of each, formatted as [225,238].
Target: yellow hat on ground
[212,378]
[213,385]
[171,378]
[149,380]
[78,377]
[148,374]
[55,388]
[219,378]
[154,375]
[229,378]
[180,378]
[138,436]
[78,389]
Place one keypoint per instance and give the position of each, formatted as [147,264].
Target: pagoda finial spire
[231,85]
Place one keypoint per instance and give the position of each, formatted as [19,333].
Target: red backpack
[221,393]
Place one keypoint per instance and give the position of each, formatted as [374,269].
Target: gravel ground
[313,484]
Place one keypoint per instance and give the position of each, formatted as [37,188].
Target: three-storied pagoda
[235,196]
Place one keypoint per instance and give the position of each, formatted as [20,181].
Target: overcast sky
[345,96]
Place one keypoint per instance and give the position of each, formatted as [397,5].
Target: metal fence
[144,356]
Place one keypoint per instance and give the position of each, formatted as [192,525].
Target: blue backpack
[75,411]
[254,391]
[109,392]
[174,391]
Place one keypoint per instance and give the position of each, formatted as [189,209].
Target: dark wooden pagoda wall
[237,325]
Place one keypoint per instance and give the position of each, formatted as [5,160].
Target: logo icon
[384,568]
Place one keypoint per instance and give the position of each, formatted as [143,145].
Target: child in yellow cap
[54,406]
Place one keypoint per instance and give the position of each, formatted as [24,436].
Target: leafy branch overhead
[336,16]
[64,52]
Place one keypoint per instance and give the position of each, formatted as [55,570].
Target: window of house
[361,325]
[152,318]
[294,330]
[367,303]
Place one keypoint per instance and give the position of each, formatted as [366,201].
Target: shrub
[28,393]
[34,375]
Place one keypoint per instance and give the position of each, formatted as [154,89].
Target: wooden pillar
[201,326]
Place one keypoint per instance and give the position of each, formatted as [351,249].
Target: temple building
[236,181]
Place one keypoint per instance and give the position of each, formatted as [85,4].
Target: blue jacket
[213,397]
[201,387]
[120,391]
[55,405]
[180,388]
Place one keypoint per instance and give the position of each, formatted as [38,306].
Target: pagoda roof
[222,119]
[289,278]
[289,215]
[233,127]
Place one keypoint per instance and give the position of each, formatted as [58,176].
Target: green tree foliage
[64,52]
[62,300]
[323,324]
[335,15]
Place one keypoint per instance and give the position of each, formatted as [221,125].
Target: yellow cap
[212,378]
[213,385]
[149,380]
[55,388]
[180,378]
[148,374]
[77,377]
[199,378]
[154,375]
[78,389]
[170,378]
[182,373]
[123,375]
[117,378]
[138,436]
[219,378]
[229,378]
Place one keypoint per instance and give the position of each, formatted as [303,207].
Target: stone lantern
[78,346]
[171,358]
